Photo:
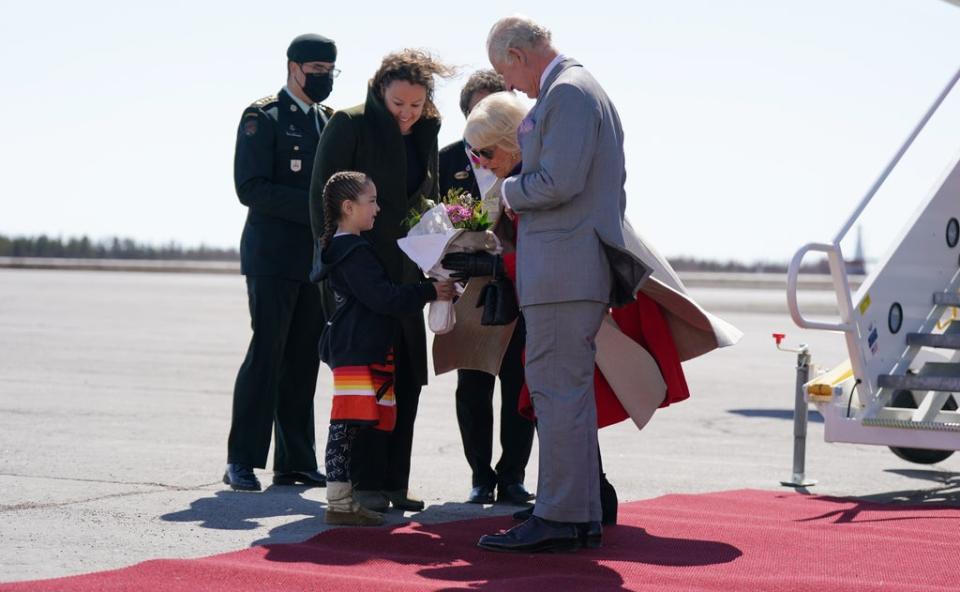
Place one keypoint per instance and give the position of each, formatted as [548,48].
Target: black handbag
[499,302]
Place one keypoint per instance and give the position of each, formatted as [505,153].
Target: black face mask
[317,86]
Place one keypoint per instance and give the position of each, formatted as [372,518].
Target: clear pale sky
[752,126]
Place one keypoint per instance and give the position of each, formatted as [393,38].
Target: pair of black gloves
[497,298]
[468,265]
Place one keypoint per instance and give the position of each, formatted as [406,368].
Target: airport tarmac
[115,392]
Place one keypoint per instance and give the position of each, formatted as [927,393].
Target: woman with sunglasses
[500,153]
[392,139]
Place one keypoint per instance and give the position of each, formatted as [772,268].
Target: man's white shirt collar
[303,106]
[550,67]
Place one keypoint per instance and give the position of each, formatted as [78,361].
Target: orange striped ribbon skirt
[363,395]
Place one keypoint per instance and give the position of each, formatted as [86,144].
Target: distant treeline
[125,248]
[691,264]
[109,248]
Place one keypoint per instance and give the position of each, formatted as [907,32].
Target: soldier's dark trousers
[381,461]
[276,383]
[475,416]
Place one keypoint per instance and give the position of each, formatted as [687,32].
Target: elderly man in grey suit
[570,198]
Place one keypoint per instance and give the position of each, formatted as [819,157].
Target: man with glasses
[276,142]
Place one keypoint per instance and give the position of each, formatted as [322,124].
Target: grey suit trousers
[560,355]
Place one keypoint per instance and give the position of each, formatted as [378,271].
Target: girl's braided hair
[339,188]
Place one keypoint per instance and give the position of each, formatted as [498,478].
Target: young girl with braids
[392,138]
[357,342]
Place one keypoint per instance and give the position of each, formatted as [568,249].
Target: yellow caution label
[864,305]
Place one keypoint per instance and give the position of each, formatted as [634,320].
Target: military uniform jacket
[456,171]
[273,164]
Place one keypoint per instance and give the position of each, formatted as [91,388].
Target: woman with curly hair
[392,139]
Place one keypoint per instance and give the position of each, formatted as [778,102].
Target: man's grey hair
[516,32]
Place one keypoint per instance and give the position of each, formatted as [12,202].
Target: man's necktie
[313,112]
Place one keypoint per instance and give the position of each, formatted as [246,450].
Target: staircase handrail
[838,269]
[839,278]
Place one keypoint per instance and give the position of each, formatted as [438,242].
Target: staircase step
[947,298]
[945,382]
[951,369]
[949,340]
[905,424]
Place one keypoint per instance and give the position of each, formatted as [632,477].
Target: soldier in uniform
[276,142]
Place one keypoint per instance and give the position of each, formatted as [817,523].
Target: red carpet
[737,540]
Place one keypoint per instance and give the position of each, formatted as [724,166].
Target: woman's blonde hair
[494,122]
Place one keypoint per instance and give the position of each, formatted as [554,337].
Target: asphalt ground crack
[37,505]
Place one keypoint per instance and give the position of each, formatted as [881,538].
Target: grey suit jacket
[570,196]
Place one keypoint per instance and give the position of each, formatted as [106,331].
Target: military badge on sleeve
[295,165]
[250,127]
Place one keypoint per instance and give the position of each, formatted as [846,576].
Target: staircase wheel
[923,456]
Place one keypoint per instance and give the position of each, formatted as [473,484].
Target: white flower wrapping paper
[428,241]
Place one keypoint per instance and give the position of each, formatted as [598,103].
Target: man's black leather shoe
[241,478]
[536,535]
[514,493]
[481,494]
[308,478]
[591,533]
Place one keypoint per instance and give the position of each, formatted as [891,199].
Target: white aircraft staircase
[901,385]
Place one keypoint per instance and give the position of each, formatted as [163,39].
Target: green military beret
[310,47]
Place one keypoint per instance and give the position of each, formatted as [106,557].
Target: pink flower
[458,213]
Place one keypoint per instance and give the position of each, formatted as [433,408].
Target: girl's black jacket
[368,305]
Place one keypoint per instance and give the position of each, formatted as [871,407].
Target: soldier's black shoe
[241,478]
[536,535]
[308,478]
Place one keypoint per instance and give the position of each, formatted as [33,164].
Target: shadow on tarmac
[946,495]
[945,492]
[813,415]
[240,510]
[236,510]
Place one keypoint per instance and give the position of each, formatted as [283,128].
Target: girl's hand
[445,290]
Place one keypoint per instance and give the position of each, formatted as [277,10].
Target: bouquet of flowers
[434,233]
[464,211]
